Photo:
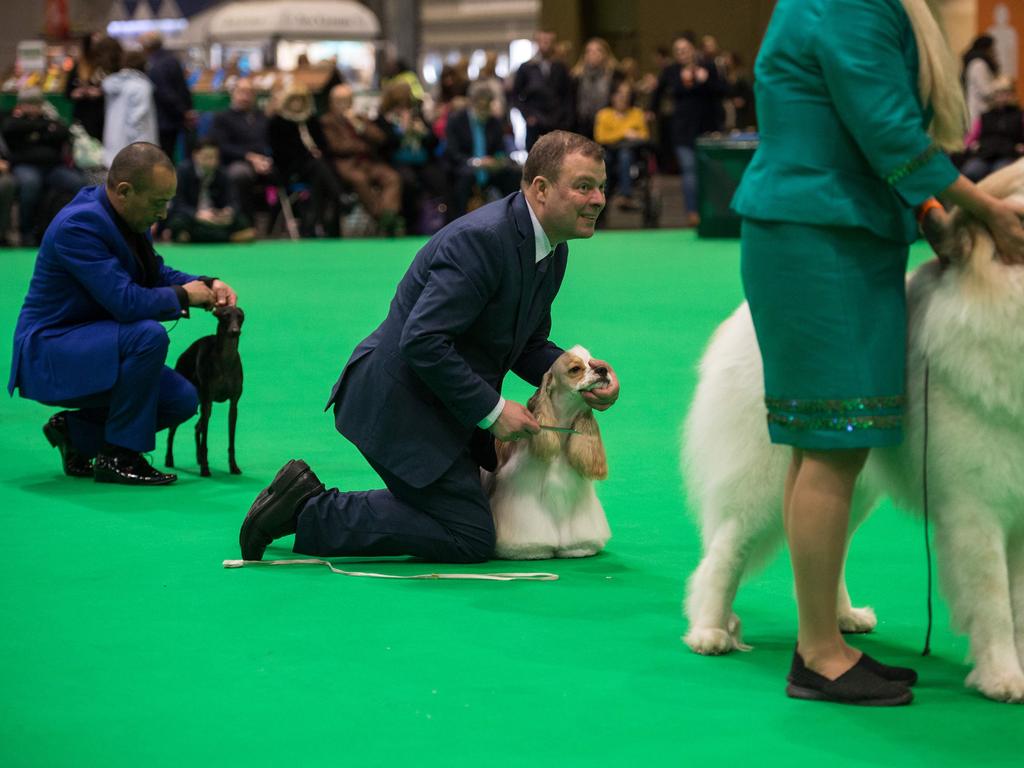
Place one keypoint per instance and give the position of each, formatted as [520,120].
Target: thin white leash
[430,576]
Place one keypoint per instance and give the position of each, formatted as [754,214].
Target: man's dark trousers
[447,521]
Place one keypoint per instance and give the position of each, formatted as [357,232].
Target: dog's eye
[575,369]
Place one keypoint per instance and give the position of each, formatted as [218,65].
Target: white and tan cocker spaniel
[542,492]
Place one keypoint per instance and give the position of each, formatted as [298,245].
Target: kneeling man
[89,337]
[420,397]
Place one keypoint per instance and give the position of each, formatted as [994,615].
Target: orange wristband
[928,205]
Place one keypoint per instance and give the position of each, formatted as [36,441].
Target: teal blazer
[843,132]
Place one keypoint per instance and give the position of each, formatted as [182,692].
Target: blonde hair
[938,78]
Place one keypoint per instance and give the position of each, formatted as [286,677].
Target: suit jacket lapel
[527,264]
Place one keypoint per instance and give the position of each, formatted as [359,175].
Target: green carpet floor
[124,643]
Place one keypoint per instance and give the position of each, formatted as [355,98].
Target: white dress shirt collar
[540,237]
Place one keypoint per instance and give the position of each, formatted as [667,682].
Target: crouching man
[89,338]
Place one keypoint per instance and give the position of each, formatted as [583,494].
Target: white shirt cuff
[487,421]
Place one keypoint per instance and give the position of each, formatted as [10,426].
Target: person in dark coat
[241,133]
[170,90]
[421,396]
[298,145]
[475,151]
[542,90]
[39,148]
[205,210]
[89,337]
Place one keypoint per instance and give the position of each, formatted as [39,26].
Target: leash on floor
[927,541]
[428,576]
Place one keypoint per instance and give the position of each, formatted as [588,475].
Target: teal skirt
[829,308]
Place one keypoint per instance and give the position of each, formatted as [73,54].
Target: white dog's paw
[714,641]
[999,687]
[579,550]
[524,552]
[857,621]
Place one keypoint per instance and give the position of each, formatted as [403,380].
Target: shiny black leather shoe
[904,675]
[855,686]
[128,468]
[274,512]
[56,432]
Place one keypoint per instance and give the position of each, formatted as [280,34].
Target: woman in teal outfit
[854,117]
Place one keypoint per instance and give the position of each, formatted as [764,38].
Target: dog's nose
[601,371]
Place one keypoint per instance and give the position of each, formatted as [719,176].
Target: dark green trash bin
[720,164]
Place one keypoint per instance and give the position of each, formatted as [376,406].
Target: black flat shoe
[276,509]
[128,468]
[56,432]
[904,675]
[855,686]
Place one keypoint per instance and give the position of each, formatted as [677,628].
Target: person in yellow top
[620,128]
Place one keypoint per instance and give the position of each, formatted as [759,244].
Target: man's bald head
[135,163]
[140,184]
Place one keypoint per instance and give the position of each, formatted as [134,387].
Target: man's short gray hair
[135,164]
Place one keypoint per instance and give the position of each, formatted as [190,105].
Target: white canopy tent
[293,20]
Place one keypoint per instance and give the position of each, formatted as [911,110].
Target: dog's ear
[544,445]
[503,450]
[585,450]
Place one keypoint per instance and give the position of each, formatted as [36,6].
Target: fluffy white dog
[542,492]
[966,328]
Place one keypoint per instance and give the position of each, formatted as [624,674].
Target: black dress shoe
[128,468]
[904,675]
[855,686]
[274,512]
[56,432]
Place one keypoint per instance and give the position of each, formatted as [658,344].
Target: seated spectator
[8,186]
[619,129]
[204,209]
[475,150]
[297,145]
[354,143]
[241,133]
[130,107]
[39,150]
[411,150]
[997,137]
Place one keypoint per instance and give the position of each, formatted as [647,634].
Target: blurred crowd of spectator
[407,162]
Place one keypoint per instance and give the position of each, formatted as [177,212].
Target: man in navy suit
[88,336]
[421,396]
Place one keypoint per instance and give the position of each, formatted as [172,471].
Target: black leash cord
[927,542]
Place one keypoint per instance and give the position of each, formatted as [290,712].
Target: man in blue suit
[420,397]
[88,336]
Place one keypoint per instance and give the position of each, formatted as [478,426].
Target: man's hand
[223,294]
[514,423]
[604,398]
[198,294]
[260,163]
[1004,222]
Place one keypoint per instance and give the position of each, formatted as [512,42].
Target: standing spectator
[173,98]
[542,91]
[411,151]
[204,209]
[297,145]
[693,88]
[739,95]
[451,97]
[131,112]
[475,150]
[39,149]
[84,85]
[488,75]
[980,69]
[592,83]
[997,137]
[241,134]
[354,144]
[619,129]
[8,186]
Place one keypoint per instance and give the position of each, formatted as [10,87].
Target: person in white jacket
[130,108]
